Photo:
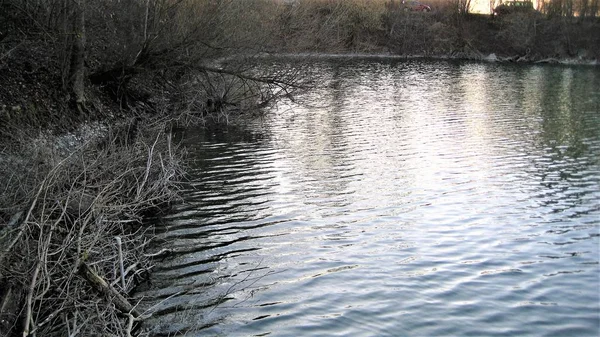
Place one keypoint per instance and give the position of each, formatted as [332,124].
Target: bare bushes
[423,33]
[518,33]
[412,34]
[229,92]
[70,210]
[531,36]
[332,25]
[368,26]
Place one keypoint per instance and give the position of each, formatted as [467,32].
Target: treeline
[575,9]
[562,29]
[136,52]
[129,47]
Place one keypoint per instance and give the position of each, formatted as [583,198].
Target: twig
[266,80]
[77,329]
[48,319]
[118,238]
[130,268]
[130,321]
[33,203]
[163,251]
[27,319]
[148,167]
[10,51]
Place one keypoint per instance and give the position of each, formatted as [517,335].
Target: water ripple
[398,198]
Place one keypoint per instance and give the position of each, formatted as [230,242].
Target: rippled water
[397,198]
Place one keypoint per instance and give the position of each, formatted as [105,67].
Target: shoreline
[490,58]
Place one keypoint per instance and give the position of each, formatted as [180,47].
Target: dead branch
[110,293]
[5,55]
[27,321]
[265,80]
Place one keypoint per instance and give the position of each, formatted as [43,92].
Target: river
[395,198]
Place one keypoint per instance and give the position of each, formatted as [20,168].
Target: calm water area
[395,198]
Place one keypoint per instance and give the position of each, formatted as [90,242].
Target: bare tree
[464,6]
[594,8]
[494,4]
[77,68]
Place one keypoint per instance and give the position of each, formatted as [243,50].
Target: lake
[395,198]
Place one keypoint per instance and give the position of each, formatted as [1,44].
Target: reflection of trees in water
[551,125]
[570,105]
[226,199]
[568,168]
[315,138]
[542,120]
[545,115]
[529,133]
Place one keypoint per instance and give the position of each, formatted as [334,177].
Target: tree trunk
[77,74]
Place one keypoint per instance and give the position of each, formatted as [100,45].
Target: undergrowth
[70,211]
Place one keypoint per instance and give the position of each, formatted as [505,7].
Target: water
[397,198]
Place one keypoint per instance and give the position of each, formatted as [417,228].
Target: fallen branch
[548,60]
[265,80]
[164,251]
[5,55]
[110,293]
[27,321]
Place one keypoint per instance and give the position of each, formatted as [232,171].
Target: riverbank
[82,164]
[457,57]
[76,186]
[72,236]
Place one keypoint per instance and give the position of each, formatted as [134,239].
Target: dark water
[395,199]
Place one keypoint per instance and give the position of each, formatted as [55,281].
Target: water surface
[397,198]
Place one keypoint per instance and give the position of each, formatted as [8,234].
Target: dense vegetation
[141,63]
[131,50]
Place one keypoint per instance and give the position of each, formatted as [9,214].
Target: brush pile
[71,237]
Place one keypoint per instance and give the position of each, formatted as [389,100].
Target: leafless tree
[494,4]
[77,68]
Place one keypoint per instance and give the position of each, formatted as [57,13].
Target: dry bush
[332,25]
[444,38]
[185,40]
[558,38]
[200,30]
[236,89]
[76,206]
[518,33]
[434,33]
